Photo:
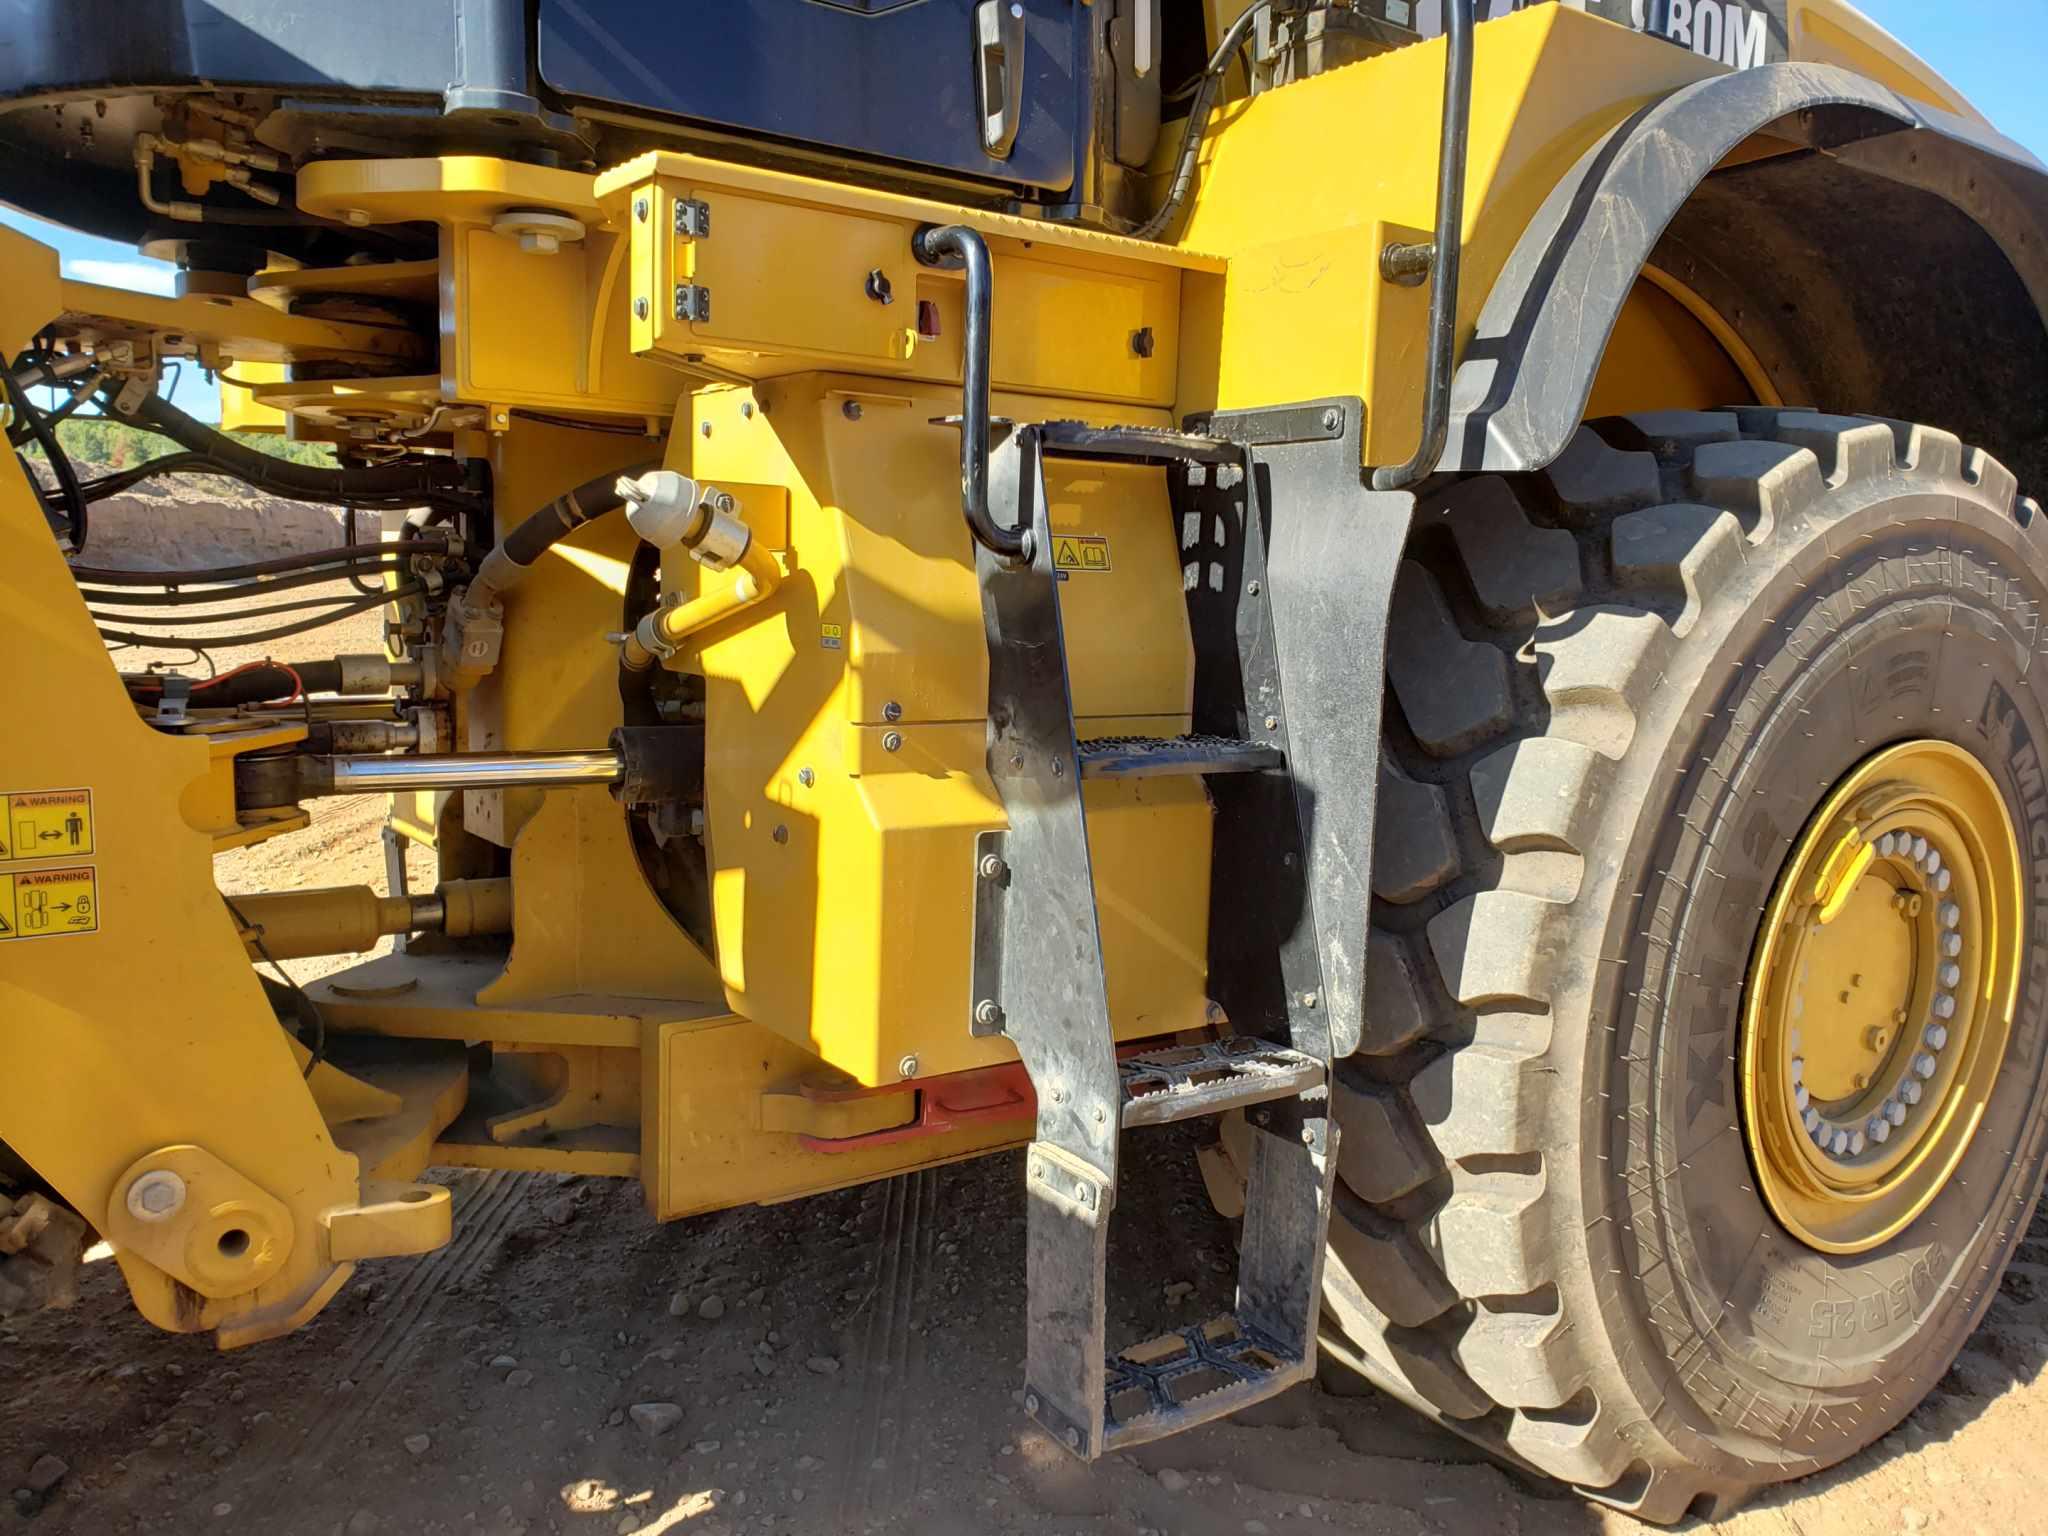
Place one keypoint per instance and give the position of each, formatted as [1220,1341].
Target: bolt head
[988,1013]
[805,777]
[155,1195]
[704,429]
[1308,999]
[907,1067]
[640,308]
[892,711]
[640,209]
[747,409]
[1272,722]
[1031,1402]
[1073,1435]
[892,741]
[1332,419]
[992,866]
[1252,588]
[850,410]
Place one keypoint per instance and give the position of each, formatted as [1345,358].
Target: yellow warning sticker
[1080,552]
[44,903]
[831,636]
[47,824]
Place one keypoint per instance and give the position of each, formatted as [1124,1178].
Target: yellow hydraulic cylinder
[347,919]
[662,631]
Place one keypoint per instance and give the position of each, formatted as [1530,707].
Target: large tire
[1616,692]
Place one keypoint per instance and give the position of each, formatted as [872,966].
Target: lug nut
[1895,1112]
[1944,1006]
[1936,1036]
[1951,914]
[1910,1091]
[1951,944]
[1879,1130]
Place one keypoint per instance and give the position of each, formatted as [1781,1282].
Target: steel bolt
[992,866]
[1101,1115]
[780,834]
[1272,722]
[907,1067]
[640,209]
[1308,1136]
[640,310]
[1936,1036]
[1332,419]
[747,409]
[805,777]
[850,410]
[1252,587]
[1073,1439]
[892,741]
[988,1013]
[155,1195]
[1031,1402]
[892,711]
[1308,999]
[705,429]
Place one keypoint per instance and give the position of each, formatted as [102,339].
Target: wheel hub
[1881,996]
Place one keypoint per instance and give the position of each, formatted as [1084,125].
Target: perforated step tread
[1191,1376]
[1156,445]
[1185,1082]
[1143,757]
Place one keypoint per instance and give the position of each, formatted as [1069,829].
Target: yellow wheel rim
[1881,997]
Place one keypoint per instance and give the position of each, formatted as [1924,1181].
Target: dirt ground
[848,1364]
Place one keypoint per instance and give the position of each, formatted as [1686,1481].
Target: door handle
[999,52]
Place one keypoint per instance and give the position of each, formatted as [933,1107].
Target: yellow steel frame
[846,708]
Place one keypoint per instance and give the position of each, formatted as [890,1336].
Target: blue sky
[1993,53]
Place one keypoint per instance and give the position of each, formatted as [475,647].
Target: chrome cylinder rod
[376,775]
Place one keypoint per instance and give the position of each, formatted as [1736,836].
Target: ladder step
[1145,445]
[1186,1082]
[1148,757]
[1191,1376]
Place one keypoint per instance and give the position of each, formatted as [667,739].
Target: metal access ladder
[1038,978]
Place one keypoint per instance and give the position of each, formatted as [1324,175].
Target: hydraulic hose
[414,482]
[262,682]
[1198,123]
[506,566]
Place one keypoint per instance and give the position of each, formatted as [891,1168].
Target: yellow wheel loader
[1443,586]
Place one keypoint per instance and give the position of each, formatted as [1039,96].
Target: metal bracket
[1295,630]
[171,702]
[693,218]
[692,302]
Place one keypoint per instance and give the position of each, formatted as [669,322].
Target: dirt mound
[152,529]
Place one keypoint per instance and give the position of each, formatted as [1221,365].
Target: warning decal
[47,824]
[44,903]
[1080,552]
[831,636]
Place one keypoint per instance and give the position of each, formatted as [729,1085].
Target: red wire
[298,687]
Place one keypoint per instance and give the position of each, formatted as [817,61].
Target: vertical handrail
[955,245]
[1442,260]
